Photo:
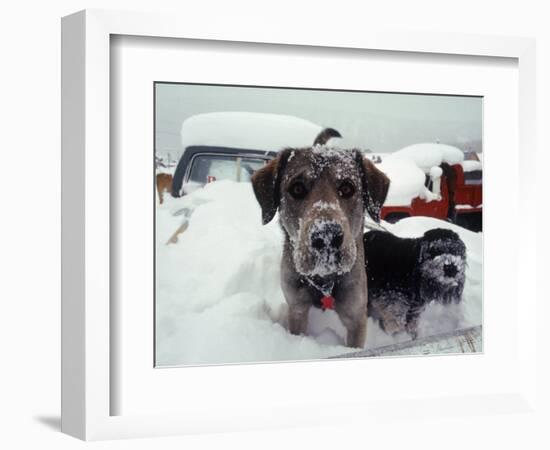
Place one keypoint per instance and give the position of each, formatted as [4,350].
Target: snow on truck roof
[406,181]
[248,130]
[407,169]
[428,155]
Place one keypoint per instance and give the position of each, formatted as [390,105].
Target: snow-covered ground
[218,298]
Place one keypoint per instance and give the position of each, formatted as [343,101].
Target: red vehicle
[433,180]
[459,198]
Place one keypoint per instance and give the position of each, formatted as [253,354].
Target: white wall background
[29,224]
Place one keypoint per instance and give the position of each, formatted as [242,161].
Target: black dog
[404,275]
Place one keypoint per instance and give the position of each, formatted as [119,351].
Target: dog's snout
[337,240]
[450,270]
[329,236]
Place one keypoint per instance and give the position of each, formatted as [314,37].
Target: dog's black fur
[404,275]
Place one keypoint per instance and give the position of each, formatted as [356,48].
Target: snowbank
[248,130]
[218,296]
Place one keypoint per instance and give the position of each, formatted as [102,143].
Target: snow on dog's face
[321,210]
[321,194]
[442,265]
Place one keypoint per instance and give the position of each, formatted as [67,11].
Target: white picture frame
[86,248]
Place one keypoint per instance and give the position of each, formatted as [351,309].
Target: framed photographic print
[222,212]
[424,263]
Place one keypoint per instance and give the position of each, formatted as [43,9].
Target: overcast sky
[377,121]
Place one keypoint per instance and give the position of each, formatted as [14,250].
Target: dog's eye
[298,190]
[346,189]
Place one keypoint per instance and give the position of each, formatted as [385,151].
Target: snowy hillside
[218,298]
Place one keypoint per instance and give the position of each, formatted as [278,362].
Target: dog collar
[327,300]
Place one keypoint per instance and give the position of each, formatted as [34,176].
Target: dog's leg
[356,330]
[351,303]
[353,314]
[412,324]
[297,318]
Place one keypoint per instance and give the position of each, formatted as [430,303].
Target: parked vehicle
[452,187]
[202,164]
[232,145]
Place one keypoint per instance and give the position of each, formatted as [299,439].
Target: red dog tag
[327,302]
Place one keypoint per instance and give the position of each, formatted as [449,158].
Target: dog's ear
[266,183]
[375,186]
[423,245]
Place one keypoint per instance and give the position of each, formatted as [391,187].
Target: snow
[248,130]
[468,207]
[321,205]
[326,262]
[407,181]
[471,165]
[218,297]
[407,168]
[169,170]
[436,172]
[427,155]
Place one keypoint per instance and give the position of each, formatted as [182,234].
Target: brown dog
[164,184]
[321,194]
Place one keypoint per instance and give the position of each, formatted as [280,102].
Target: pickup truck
[202,164]
[447,186]
[232,145]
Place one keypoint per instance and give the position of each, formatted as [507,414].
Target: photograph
[298,224]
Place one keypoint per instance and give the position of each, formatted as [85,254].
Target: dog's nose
[330,236]
[450,270]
